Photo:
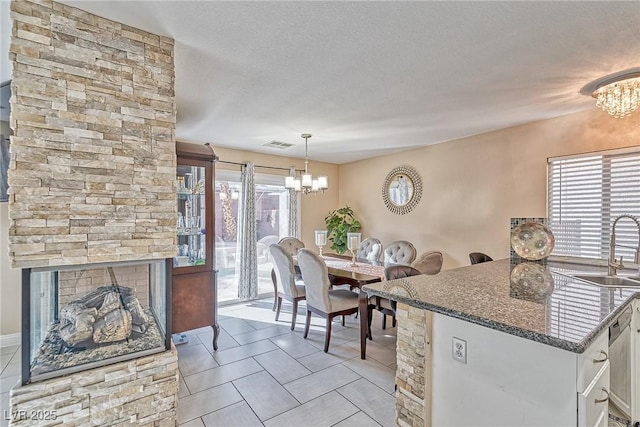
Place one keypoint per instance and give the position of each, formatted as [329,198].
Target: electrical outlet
[459,350]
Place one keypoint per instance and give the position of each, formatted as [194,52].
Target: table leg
[363,302]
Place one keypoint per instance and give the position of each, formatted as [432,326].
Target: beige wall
[474,185]
[314,207]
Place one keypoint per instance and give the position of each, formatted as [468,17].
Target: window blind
[586,194]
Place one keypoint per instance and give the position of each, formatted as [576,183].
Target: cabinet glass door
[191,217]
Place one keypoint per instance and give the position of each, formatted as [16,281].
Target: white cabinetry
[593,384]
[509,380]
[635,363]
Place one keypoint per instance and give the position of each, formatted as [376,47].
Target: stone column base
[413,401]
[138,392]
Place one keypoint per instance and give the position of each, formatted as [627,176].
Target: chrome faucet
[615,265]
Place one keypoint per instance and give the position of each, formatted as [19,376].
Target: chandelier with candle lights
[306,183]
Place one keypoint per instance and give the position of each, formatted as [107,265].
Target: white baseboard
[9,340]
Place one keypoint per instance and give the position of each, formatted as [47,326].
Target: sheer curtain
[293,208]
[246,254]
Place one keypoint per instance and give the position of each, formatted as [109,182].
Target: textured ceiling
[368,78]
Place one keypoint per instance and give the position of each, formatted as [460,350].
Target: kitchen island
[476,348]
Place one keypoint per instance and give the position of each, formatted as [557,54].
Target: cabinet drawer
[592,360]
[593,403]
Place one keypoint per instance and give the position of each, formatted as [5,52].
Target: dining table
[343,271]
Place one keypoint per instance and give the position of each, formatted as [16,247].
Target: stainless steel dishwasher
[620,359]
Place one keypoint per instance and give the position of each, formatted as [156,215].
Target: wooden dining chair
[400,252]
[321,299]
[370,249]
[285,275]
[291,246]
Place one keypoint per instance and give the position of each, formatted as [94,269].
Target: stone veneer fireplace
[81,317]
[92,192]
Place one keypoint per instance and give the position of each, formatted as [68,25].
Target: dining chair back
[291,244]
[285,278]
[316,277]
[285,273]
[400,252]
[384,305]
[400,272]
[478,257]
[428,262]
[321,300]
[370,249]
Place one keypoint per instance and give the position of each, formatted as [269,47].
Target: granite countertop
[562,312]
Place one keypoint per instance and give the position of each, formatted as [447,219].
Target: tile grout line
[243,399]
[372,383]
[287,391]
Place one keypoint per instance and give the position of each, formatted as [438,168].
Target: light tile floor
[265,374]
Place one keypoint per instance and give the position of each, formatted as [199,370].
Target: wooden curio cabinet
[194,297]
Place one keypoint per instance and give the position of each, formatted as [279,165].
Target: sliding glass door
[272,214]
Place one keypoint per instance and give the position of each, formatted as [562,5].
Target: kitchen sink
[611,281]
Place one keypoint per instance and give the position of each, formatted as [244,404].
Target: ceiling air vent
[278,144]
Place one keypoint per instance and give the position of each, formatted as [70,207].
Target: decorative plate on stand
[532,241]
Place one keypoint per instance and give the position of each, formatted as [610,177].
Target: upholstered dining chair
[285,276]
[291,246]
[428,262]
[321,300]
[384,305]
[478,257]
[370,249]
[400,252]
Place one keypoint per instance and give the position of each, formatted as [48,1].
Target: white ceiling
[368,78]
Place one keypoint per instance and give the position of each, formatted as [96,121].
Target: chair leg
[370,315]
[393,321]
[275,289]
[327,337]
[278,308]
[307,323]
[343,320]
[295,313]
[384,321]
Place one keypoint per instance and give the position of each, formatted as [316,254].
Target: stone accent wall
[140,392]
[75,284]
[92,174]
[413,401]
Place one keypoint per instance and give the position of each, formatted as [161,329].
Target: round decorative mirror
[402,189]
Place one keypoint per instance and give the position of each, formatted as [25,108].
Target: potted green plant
[339,223]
